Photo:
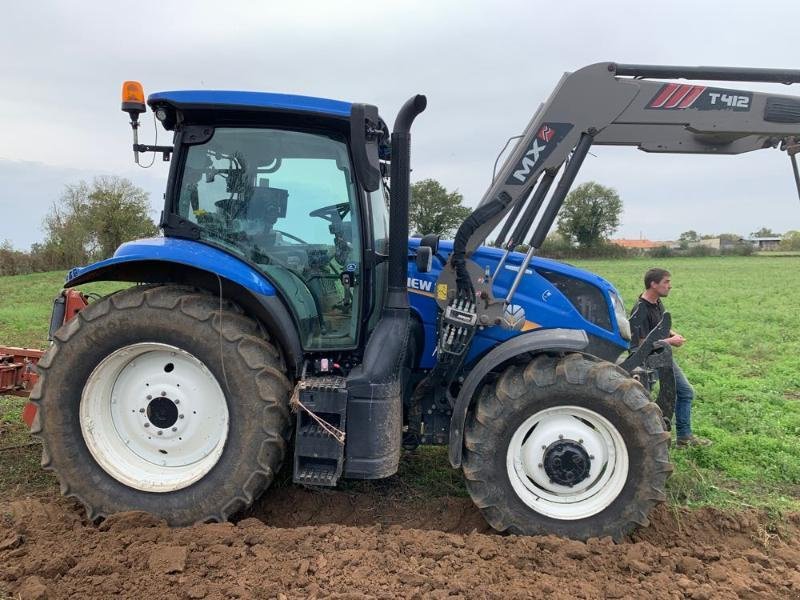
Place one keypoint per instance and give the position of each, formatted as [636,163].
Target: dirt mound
[298,544]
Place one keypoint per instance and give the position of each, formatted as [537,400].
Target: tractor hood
[553,295]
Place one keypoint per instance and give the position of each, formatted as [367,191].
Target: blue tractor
[285,318]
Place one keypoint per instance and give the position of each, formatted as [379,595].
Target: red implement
[18,365]
[17,373]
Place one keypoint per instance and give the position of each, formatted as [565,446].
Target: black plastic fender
[558,340]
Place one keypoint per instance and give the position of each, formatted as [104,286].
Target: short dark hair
[654,276]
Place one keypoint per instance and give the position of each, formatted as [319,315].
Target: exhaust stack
[400,199]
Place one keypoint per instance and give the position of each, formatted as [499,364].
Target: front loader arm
[607,104]
[614,106]
[584,101]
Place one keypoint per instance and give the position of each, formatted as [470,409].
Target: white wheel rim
[604,445]
[154,417]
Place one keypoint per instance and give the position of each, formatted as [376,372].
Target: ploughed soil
[298,543]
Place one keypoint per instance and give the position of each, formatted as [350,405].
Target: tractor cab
[291,185]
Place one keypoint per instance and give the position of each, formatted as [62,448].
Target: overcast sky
[485,67]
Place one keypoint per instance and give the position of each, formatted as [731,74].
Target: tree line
[87,223]
[588,218]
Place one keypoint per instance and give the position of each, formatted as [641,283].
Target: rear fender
[542,340]
[171,260]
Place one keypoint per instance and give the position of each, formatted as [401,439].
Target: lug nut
[544,447]
[141,410]
[591,457]
[580,441]
[147,424]
[174,429]
[163,393]
[540,465]
[160,433]
[177,401]
[560,436]
[149,397]
[180,416]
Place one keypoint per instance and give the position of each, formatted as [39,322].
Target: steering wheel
[335,213]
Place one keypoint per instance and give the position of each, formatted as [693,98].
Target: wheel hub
[162,412]
[566,462]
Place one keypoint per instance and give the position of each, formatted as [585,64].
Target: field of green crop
[743,332]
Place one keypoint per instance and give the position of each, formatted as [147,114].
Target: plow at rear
[18,372]
[18,375]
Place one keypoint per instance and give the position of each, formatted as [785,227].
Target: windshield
[286,201]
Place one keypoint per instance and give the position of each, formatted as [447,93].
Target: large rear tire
[164,399]
[566,446]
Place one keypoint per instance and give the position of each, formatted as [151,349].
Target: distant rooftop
[639,244]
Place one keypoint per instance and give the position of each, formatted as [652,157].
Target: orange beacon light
[133,104]
[133,98]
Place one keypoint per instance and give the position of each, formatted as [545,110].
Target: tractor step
[318,452]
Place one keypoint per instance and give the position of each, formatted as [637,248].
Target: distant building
[713,243]
[642,245]
[766,243]
[722,244]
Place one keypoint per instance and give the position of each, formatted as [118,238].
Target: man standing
[657,284]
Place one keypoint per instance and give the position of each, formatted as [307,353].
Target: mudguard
[176,251]
[175,260]
[558,340]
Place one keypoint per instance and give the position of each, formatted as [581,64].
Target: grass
[27,301]
[743,334]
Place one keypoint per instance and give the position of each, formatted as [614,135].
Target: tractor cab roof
[229,102]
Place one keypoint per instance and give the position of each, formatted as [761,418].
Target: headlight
[622,317]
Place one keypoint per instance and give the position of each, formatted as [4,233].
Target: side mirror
[365,138]
[424,259]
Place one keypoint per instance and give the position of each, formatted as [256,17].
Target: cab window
[286,201]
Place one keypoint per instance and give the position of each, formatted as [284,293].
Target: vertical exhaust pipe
[400,199]
[376,386]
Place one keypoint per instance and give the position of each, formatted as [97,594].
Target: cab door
[286,201]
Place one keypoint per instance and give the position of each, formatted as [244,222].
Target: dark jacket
[644,318]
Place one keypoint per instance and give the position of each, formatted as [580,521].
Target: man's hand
[676,340]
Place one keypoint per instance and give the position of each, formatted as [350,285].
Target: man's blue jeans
[683,403]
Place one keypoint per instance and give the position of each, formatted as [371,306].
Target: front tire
[163,399]
[566,446]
